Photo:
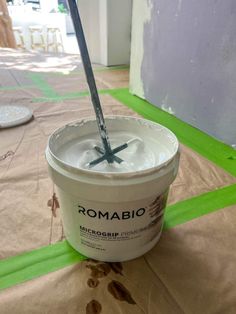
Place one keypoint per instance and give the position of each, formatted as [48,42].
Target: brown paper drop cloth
[26,187]
[191,270]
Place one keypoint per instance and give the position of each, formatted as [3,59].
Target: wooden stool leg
[7,38]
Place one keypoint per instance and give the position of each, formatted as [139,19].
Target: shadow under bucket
[113,212]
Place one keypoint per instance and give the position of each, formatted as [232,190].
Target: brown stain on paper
[92,260]
[53,203]
[119,292]
[93,307]
[117,268]
[115,288]
[100,270]
[8,154]
[103,269]
[93,282]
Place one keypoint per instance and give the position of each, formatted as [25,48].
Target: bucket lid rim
[118,175]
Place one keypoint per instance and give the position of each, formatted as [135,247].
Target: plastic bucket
[112,216]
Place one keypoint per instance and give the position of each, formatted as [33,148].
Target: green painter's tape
[214,150]
[198,206]
[24,267]
[21,268]
[68,96]
[41,84]
[5,88]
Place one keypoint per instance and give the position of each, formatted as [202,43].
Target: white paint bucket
[113,216]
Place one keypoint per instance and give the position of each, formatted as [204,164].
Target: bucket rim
[113,175]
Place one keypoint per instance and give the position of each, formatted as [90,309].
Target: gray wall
[189,62]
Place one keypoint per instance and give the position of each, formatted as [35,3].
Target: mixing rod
[107,152]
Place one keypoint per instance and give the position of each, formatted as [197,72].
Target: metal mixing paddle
[107,153]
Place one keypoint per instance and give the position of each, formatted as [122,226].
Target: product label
[99,228]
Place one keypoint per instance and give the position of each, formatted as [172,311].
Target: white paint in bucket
[113,212]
